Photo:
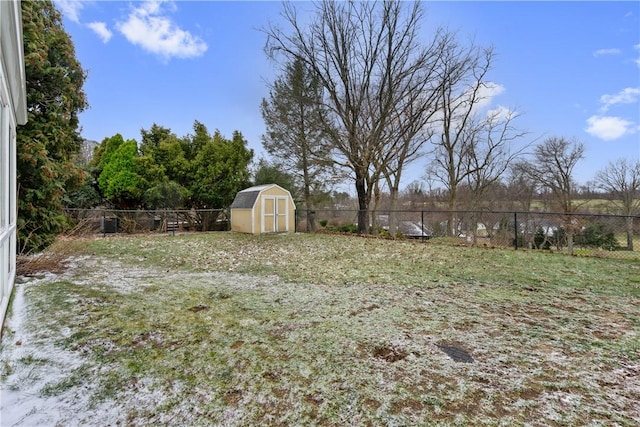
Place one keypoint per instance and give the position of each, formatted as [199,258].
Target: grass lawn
[301,329]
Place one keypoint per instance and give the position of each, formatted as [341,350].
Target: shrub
[540,240]
[599,236]
[381,232]
[347,228]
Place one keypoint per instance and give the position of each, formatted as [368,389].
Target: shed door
[275,215]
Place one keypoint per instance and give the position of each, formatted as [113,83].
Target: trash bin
[109,224]
[157,222]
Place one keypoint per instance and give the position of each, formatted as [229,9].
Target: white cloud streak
[100,28]
[148,26]
[608,128]
[602,52]
[627,95]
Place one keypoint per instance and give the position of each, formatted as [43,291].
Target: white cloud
[148,27]
[637,61]
[486,94]
[500,113]
[70,8]
[627,95]
[608,127]
[100,28]
[601,52]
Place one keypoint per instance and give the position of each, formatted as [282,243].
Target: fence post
[422,226]
[104,224]
[515,230]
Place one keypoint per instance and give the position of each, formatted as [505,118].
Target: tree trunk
[393,214]
[473,227]
[450,219]
[373,220]
[569,229]
[629,233]
[393,181]
[363,205]
[311,221]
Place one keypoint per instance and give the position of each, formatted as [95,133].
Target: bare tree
[552,167]
[621,180]
[489,153]
[410,126]
[521,188]
[471,149]
[370,62]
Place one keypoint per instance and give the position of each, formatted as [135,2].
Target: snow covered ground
[30,361]
[202,330]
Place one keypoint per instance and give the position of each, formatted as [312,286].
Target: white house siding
[12,112]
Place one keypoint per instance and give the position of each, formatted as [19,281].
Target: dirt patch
[199,307]
[389,353]
[146,339]
[363,310]
[232,397]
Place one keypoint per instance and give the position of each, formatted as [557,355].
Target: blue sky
[571,69]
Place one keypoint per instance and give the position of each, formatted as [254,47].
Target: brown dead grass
[54,259]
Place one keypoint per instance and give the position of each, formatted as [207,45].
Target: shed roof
[245,199]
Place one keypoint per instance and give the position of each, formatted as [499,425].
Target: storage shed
[263,209]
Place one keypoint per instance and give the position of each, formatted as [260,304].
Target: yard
[302,329]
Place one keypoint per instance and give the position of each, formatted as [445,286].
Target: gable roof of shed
[245,199]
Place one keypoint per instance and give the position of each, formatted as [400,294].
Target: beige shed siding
[273,211]
[241,220]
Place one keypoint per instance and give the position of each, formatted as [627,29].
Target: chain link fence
[612,236]
[110,221]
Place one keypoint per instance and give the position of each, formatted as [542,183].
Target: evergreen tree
[296,131]
[120,179]
[48,142]
[271,173]
[220,169]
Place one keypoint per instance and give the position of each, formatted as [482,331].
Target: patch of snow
[32,363]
